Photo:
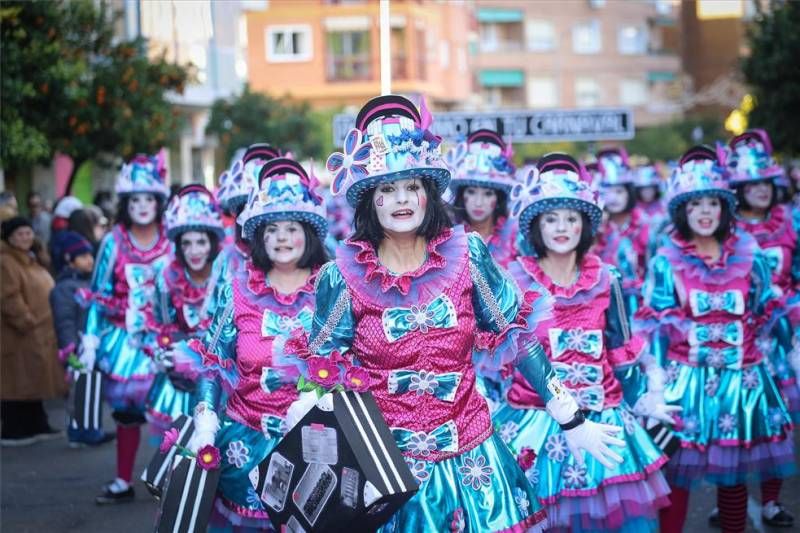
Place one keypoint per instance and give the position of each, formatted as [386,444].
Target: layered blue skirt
[127,368]
[165,403]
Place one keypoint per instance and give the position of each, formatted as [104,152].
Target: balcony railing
[501,46]
[349,68]
[400,67]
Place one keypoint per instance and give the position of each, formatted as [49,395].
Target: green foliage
[68,86]
[253,117]
[669,141]
[773,73]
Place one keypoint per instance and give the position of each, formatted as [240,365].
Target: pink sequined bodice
[778,239]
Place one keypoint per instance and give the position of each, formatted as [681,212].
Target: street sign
[525,125]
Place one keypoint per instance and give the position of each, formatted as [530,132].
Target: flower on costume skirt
[575,476]
[253,501]
[356,379]
[556,447]
[170,438]
[208,457]
[523,503]
[712,384]
[458,524]
[237,453]
[421,443]
[508,431]
[419,469]
[323,371]
[419,318]
[691,425]
[476,472]
[526,458]
[672,372]
[715,359]
[775,417]
[628,421]
[727,423]
[423,382]
[750,378]
[533,476]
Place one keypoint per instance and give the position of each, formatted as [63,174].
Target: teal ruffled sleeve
[761,290]
[164,312]
[333,326]
[102,286]
[495,297]
[624,349]
[659,303]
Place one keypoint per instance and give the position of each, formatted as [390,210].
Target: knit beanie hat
[13,224]
[72,245]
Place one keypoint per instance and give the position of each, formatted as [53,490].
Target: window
[348,55]
[632,40]
[632,92]
[444,54]
[490,37]
[542,92]
[422,53]
[541,35]
[399,58]
[586,38]
[286,44]
[587,92]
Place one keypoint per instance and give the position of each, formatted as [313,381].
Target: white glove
[299,408]
[88,350]
[164,359]
[656,378]
[652,404]
[206,425]
[594,438]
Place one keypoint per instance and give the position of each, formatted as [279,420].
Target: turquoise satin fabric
[331,291]
[579,373]
[704,303]
[420,444]
[481,490]
[728,357]
[730,333]
[399,321]
[442,386]
[168,401]
[120,354]
[495,297]
[589,342]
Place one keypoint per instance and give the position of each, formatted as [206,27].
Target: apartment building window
[286,44]
[422,53]
[399,56]
[586,38]
[632,92]
[541,35]
[632,40]
[348,55]
[587,92]
[542,92]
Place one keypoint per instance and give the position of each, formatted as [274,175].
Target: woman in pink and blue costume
[116,333]
[592,351]
[235,185]
[706,295]
[185,297]
[406,299]
[623,240]
[482,178]
[649,188]
[269,297]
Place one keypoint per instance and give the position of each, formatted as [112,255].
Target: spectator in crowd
[105,201]
[84,222]
[69,316]
[102,224]
[63,210]
[31,372]
[8,205]
[39,216]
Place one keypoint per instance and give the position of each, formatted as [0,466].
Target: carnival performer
[623,239]
[185,298]
[406,300]
[649,185]
[706,294]
[273,294]
[120,297]
[483,177]
[752,173]
[592,351]
[235,185]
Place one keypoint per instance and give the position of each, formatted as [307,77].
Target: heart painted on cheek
[379,201]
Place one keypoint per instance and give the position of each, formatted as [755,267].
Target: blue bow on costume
[730,333]
[443,439]
[578,373]
[774,257]
[275,325]
[400,321]
[442,386]
[589,342]
[729,357]
[703,303]
[273,426]
[591,398]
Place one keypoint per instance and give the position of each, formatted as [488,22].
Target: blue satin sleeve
[796,252]
[163,310]
[102,284]
[495,297]
[659,295]
[536,369]
[618,329]
[208,391]
[333,325]
[761,290]
[219,342]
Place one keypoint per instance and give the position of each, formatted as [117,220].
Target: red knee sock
[672,518]
[770,489]
[732,503]
[127,444]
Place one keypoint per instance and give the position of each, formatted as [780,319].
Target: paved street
[50,488]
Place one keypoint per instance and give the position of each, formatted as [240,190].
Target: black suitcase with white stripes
[86,400]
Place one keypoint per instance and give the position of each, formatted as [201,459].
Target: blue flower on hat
[351,165]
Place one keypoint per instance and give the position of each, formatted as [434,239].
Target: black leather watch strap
[576,421]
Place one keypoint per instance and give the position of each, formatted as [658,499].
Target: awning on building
[501,78]
[495,15]
[660,75]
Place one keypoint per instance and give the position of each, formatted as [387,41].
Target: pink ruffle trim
[532,524]
[258,284]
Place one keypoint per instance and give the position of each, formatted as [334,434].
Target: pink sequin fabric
[778,239]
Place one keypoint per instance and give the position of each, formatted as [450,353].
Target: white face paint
[479,203]
[285,242]
[758,195]
[142,208]
[703,215]
[400,205]
[561,230]
[196,248]
[616,198]
[648,194]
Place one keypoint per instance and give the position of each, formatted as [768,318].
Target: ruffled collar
[180,283]
[258,284]
[775,222]
[589,273]
[158,248]
[689,249]
[630,226]
[367,256]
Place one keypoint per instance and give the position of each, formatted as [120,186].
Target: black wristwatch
[576,421]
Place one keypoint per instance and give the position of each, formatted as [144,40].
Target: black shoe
[48,434]
[108,436]
[713,519]
[15,442]
[778,516]
[110,497]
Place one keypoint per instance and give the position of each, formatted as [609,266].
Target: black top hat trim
[194,187]
[700,152]
[389,105]
[560,160]
[260,151]
[281,165]
[486,136]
